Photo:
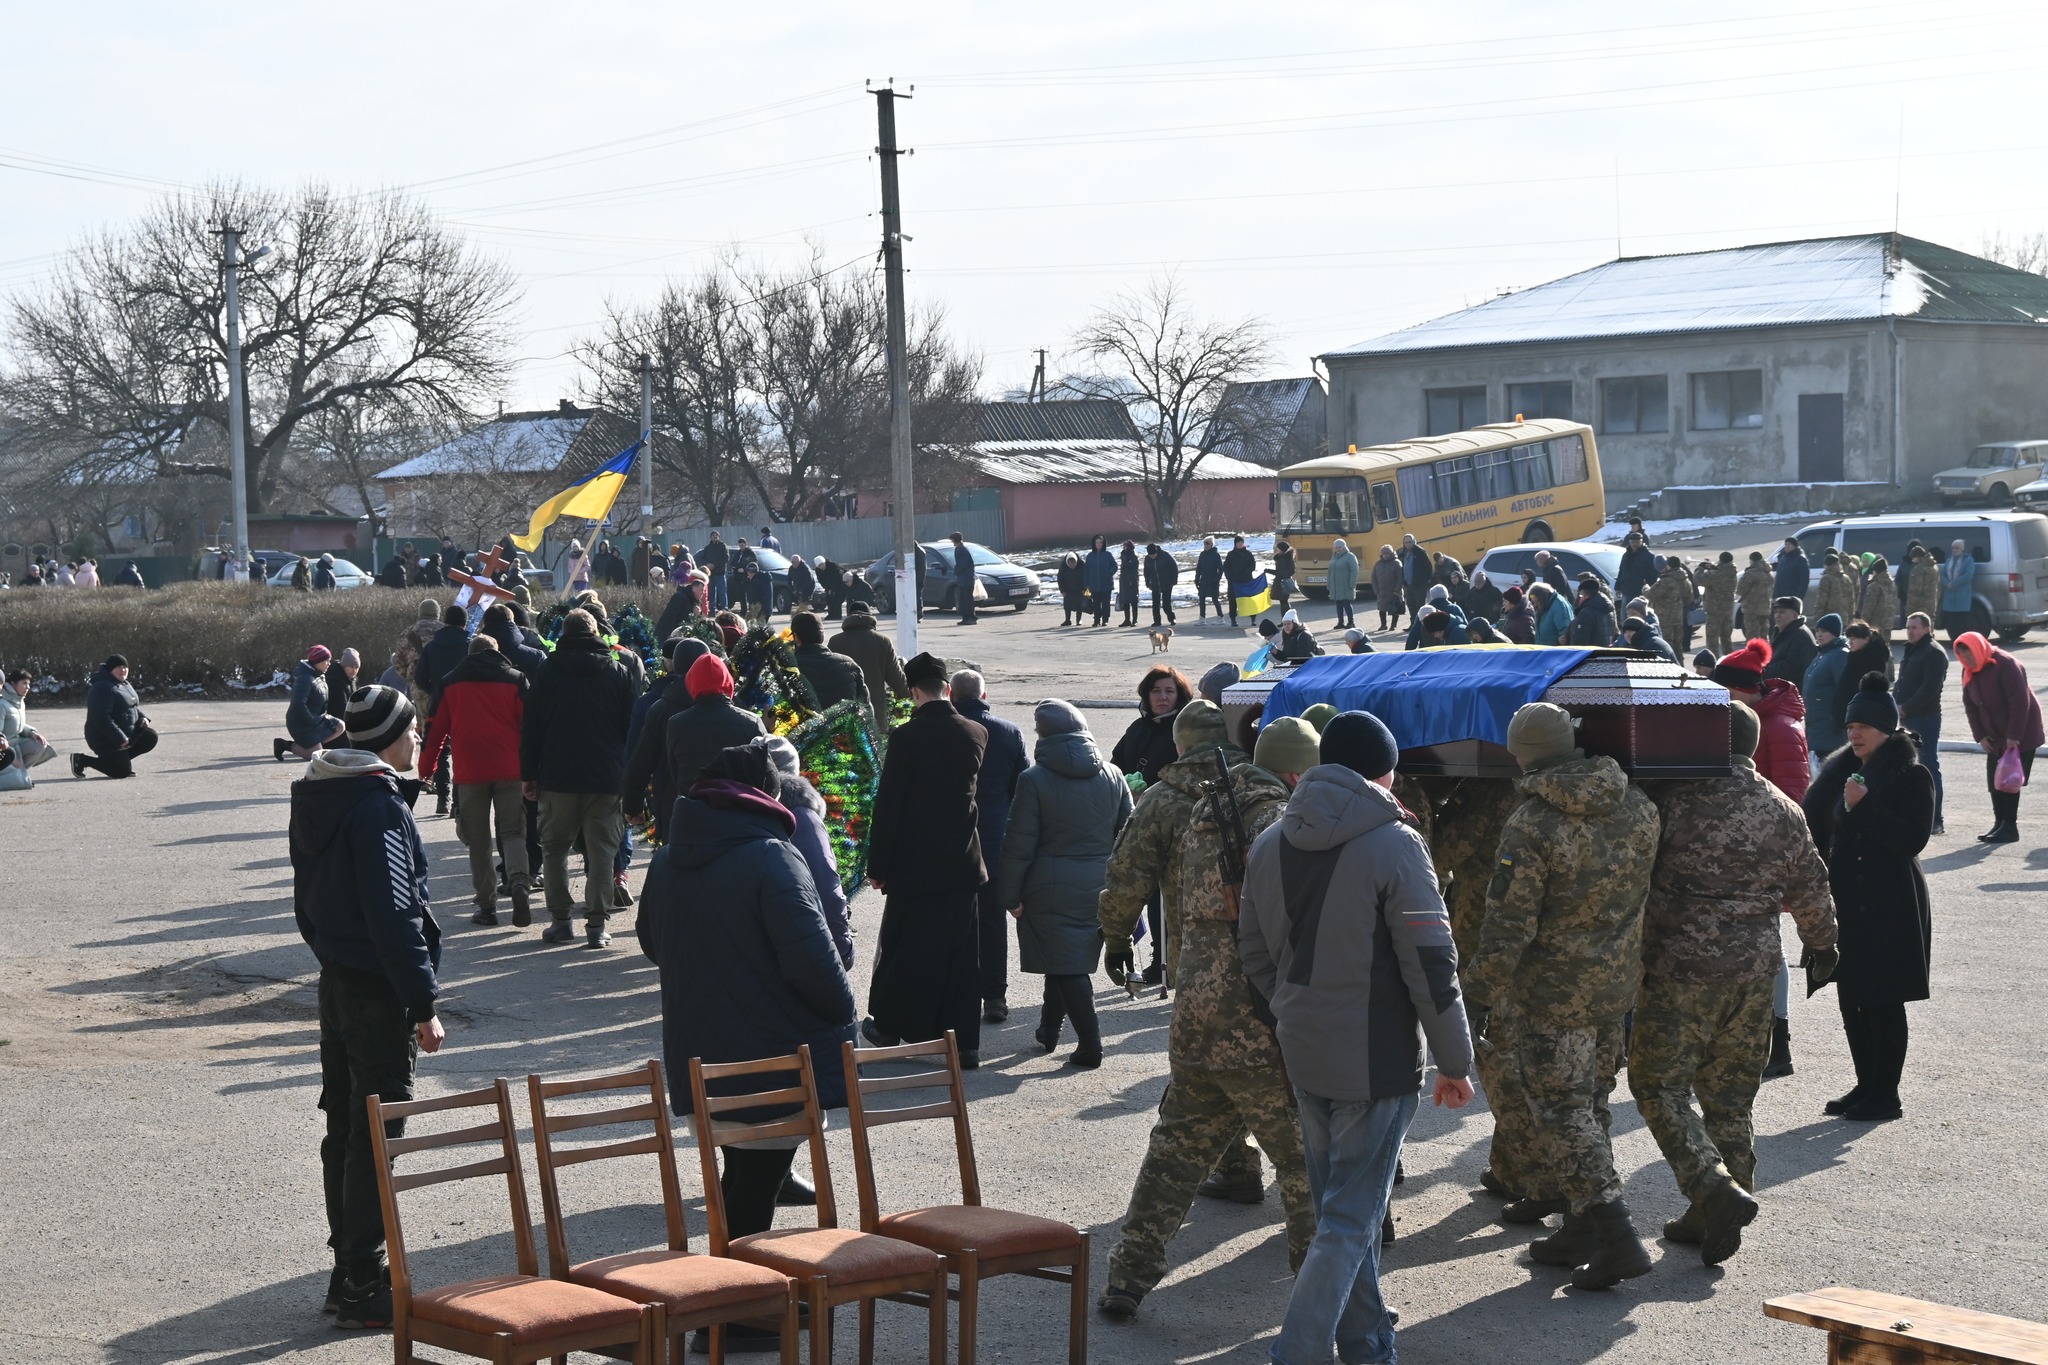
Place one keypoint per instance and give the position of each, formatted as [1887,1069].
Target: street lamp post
[237,568]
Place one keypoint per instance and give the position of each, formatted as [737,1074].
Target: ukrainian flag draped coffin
[589,498]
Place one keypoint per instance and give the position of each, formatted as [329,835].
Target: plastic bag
[2011,776]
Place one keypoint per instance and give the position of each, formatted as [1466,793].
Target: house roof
[1082,419]
[568,440]
[1273,408]
[1037,462]
[1830,279]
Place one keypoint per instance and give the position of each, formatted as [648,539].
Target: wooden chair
[978,1243]
[831,1265]
[1868,1328]
[694,1291]
[508,1319]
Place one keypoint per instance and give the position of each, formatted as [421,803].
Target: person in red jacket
[2004,714]
[483,704]
[1781,713]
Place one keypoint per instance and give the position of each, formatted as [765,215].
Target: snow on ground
[1615,531]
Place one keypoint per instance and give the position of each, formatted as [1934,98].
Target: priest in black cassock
[925,857]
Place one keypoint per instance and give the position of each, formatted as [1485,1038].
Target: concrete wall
[1059,514]
[1964,385]
[1375,399]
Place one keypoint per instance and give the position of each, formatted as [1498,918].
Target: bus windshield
[1334,505]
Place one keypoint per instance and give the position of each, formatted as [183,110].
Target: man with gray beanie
[1343,931]
[359,892]
[1561,946]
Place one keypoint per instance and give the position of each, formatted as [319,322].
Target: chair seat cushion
[530,1308]
[991,1232]
[841,1254]
[685,1283]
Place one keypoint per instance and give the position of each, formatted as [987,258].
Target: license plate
[1020,592]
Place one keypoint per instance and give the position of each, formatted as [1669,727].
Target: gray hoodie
[1342,928]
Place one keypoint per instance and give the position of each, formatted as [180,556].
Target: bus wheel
[1537,530]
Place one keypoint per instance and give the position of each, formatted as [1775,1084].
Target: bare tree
[1151,351]
[123,358]
[2022,251]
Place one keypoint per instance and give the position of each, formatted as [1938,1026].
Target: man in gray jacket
[1343,930]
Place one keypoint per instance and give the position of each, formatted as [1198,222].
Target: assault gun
[1232,846]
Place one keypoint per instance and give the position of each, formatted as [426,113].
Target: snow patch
[1614,532]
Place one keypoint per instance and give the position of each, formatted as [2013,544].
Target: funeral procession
[1178,686]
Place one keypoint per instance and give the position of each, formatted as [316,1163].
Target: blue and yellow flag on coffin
[1253,597]
[589,498]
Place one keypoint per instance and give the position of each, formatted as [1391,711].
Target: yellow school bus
[1460,494]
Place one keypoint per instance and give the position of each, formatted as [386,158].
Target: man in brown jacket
[869,648]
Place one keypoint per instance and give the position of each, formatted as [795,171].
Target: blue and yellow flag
[1253,597]
[590,497]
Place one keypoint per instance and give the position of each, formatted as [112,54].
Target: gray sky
[1338,169]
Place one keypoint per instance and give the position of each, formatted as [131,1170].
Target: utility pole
[1037,394]
[908,588]
[237,568]
[646,445]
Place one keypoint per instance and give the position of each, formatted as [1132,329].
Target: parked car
[1995,471]
[2011,550]
[1007,584]
[346,574]
[1504,565]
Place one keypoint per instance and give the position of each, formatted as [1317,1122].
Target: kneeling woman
[1871,811]
[1068,810]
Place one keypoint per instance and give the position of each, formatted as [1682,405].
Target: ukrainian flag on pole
[589,498]
[1253,597]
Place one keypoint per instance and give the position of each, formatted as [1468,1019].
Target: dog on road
[1162,641]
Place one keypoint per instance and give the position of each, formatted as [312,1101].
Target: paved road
[159,1138]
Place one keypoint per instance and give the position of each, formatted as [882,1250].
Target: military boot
[1724,1213]
[1685,1229]
[1531,1210]
[1781,1050]
[1570,1246]
[1618,1254]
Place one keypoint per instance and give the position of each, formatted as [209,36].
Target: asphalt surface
[160,1143]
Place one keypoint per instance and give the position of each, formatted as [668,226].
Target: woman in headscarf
[2004,716]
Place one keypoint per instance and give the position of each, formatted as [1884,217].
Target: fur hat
[1743,671]
[1873,705]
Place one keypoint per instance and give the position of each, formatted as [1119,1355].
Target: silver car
[2011,550]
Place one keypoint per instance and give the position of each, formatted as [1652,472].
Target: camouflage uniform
[1923,586]
[1227,1072]
[406,656]
[1836,593]
[1717,587]
[1671,597]
[1147,858]
[1562,944]
[1467,841]
[1880,604]
[1710,960]
[1755,589]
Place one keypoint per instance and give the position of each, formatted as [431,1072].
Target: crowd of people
[83,572]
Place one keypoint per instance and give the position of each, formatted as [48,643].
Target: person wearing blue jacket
[359,893]
[1098,571]
[1458,631]
[306,717]
[964,580]
[1820,689]
[1794,576]
[730,917]
[1553,616]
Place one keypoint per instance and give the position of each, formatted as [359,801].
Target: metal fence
[857,542]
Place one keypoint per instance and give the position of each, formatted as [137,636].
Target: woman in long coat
[1128,573]
[1871,811]
[1098,572]
[1343,581]
[1386,588]
[1069,808]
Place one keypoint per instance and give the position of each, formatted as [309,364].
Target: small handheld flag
[1253,597]
[590,497]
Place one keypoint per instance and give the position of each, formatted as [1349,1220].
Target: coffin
[1449,708]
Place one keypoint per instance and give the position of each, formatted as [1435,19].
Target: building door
[1820,437]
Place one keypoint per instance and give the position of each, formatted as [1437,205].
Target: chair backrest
[862,1119]
[644,1083]
[390,1184]
[713,1132]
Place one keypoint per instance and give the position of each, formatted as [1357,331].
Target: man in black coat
[1162,572]
[1792,644]
[1923,672]
[924,855]
[696,733]
[115,728]
[1002,763]
[647,756]
[1208,578]
[1793,577]
[1240,567]
[1638,569]
[572,758]
[712,559]
[834,677]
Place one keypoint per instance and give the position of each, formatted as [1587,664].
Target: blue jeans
[1351,1146]
[716,592]
[1929,730]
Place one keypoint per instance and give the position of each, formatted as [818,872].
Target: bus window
[1568,458]
[1383,506]
[1334,505]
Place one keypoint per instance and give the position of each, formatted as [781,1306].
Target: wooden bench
[1868,1328]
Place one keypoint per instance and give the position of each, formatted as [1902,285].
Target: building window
[1351,415]
[1733,398]
[1551,398]
[1454,409]
[1112,499]
[1630,405]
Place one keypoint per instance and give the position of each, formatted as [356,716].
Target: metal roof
[1832,279]
[1083,419]
[516,443]
[1036,462]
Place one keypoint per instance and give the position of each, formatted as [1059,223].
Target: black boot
[1571,1246]
[1848,1101]
[280,749]
[796,1193]
[1531,1210]
[1618,1254]
[2006,833]
[1781,1050]
[1724,1213]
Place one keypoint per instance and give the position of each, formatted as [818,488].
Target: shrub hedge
[213,639]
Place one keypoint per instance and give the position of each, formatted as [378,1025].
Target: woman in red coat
[2004,714]
[1780,711]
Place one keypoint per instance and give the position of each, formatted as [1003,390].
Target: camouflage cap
[1542,733]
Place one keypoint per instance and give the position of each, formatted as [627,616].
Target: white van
[2011,550]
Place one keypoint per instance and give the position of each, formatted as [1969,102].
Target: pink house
[1066,471]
